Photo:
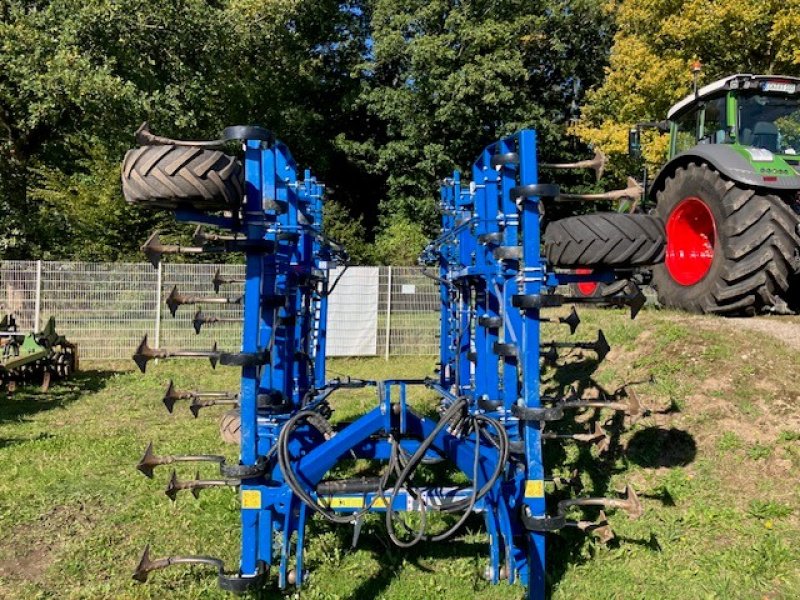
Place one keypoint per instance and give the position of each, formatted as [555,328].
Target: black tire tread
[758,239]
[175,176]
[604,240]
[230,426]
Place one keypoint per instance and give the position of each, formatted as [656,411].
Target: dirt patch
[785,329]
[31,548]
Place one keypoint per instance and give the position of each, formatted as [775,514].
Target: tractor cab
[758,115]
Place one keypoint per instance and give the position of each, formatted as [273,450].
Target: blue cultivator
[492,419]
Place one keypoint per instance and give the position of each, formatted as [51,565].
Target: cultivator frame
[494,284]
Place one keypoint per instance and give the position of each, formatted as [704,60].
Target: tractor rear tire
[604,240]
[174,177]
[730,249]
[230,427]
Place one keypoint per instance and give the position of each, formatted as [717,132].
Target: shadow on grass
[656,447]
[29,400]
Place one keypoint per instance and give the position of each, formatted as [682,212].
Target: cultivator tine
[199,399]
[201,237]
[632,192]
[153,249]
[599,347]
[598,436]
[219,280]
[195,485]
[150,460]
[572,482]
[596,164]
[572,320]
[631,296]
[145,354]
[201,319]
[176,299]
[147,565]
[599,528]
[197,404]
[631,407]
[629,503]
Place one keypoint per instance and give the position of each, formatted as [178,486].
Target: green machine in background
[34,357]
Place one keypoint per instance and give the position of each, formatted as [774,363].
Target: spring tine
[150,460]
[219,280]
[200,237]
[175,485]
[600,346]
[196,405]
[171,396]
[176,299]
[630,503]
[201,319]
[153,249]
[596,164]
[599,528]
[597,436]
[147,565]
[145,353]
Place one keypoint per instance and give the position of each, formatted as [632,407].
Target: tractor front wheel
[730,250]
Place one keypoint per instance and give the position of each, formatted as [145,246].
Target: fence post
[157,336]
[37,303]
[388,313]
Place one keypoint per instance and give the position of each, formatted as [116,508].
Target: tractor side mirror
[635,142]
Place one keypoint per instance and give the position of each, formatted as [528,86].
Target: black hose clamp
[545,413]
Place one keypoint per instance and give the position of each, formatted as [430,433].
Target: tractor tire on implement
[604,240]
[172,177]
[731,250]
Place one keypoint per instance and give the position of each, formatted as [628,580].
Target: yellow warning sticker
[345,501]
[534,488]
[251,499]
[379,502]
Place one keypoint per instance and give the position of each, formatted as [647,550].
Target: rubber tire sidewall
[670,292]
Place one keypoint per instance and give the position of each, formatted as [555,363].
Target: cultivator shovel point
[175,485]
[219,281]
[201,319]
[145,354]
[596,164]
[176,299]
[201,236]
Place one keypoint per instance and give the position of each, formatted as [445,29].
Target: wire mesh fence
[106,308]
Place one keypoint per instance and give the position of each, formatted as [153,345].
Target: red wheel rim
[691,234]
[587,288]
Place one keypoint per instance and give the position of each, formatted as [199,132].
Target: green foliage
[444,79]
[655,45]
[400,243]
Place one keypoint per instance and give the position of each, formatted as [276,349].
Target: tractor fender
[727,161]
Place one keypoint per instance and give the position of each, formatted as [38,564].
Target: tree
[446,78]
[655,45]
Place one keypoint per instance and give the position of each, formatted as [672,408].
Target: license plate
[780,86]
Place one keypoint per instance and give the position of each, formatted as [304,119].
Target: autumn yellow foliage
[656,43]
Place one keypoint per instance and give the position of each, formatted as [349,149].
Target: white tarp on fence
[353,313]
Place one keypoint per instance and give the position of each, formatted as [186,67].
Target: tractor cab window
[685,135]
[714,123]
[770,122]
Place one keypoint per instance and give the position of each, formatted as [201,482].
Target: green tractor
[729,197]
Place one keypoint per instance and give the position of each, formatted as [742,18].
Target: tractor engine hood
[751,167]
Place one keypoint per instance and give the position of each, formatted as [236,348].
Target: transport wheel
[730,250]
[608,240]
[230,427]
[586,289]
[173,177]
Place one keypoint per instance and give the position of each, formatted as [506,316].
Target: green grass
[719,483]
